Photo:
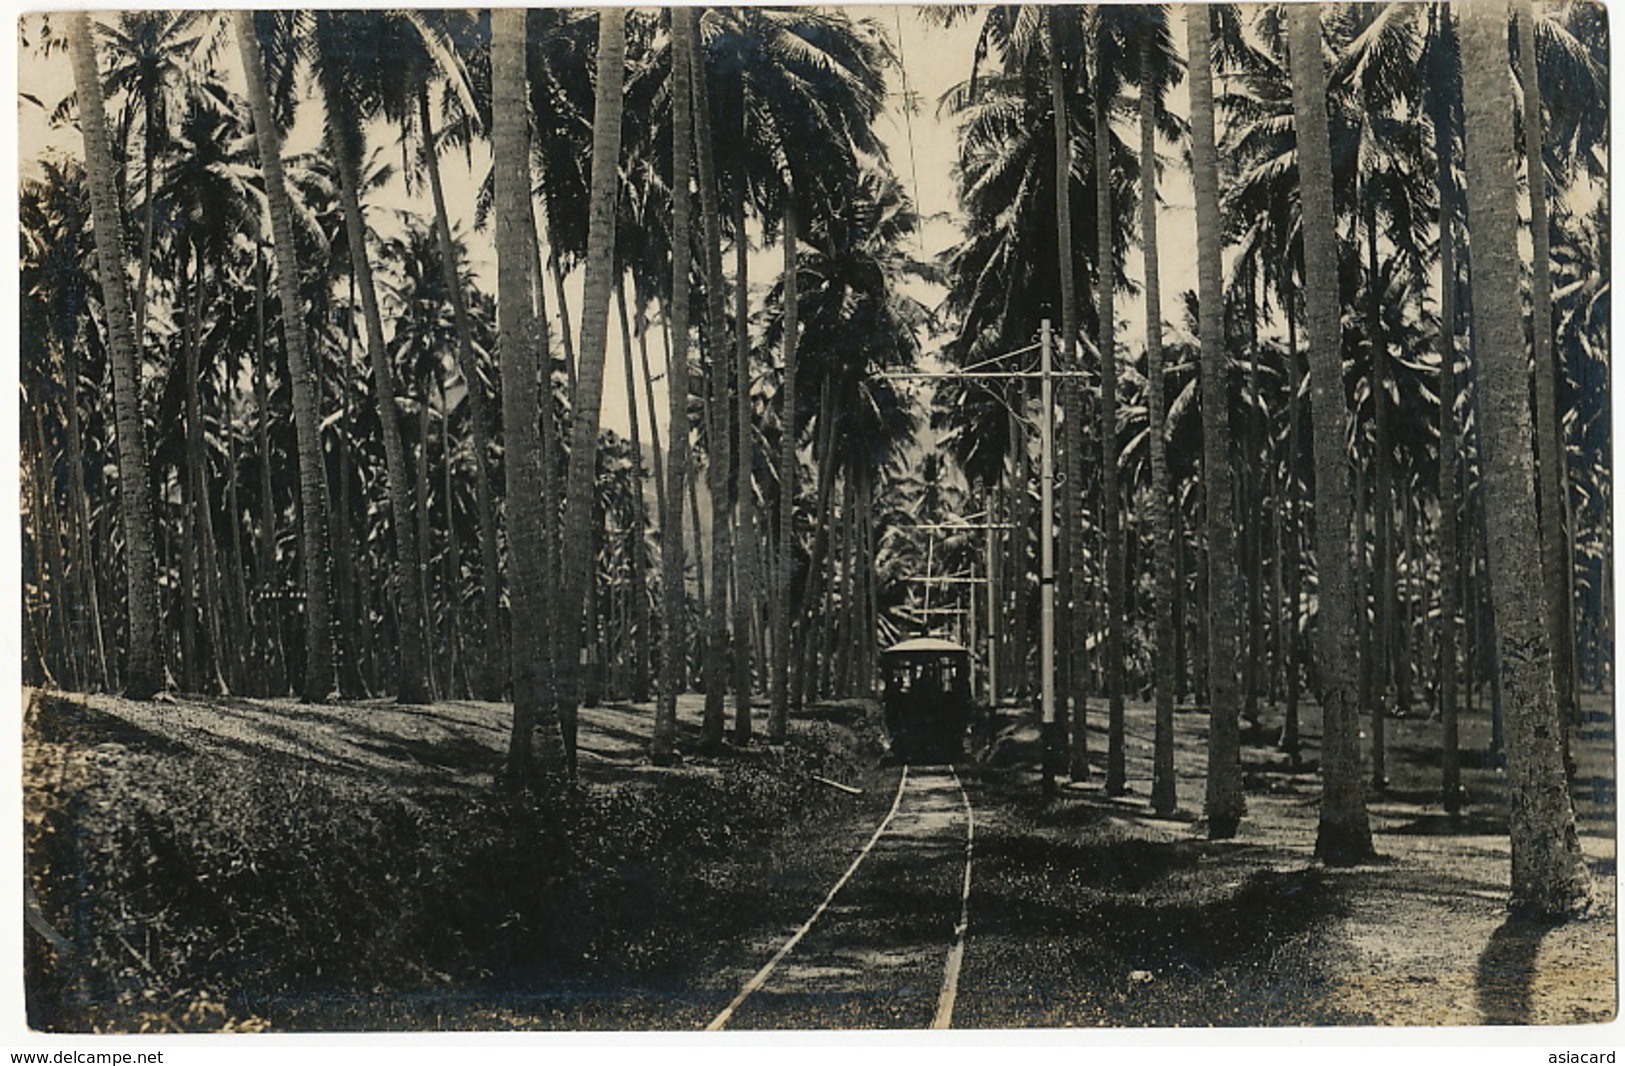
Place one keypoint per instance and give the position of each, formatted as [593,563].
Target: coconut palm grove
[475,468]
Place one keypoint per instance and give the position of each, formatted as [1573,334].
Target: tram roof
[924,644]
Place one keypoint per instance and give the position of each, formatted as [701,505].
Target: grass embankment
[215,885]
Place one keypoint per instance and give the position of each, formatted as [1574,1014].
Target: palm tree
[54,286]
[1153,33]
[210,196]
[859,325]
[1107,58]
[779,707]
[792,95]
[338,35]
[440,38]
[719,438]
[143,667]
[1344,836]
[533,700]
[600,265]
[1072,393]
[1550,452]
[143,670]
[1549,875]
[1224,804]
[150,50]
[1443,73]
[663,745]
[318,680]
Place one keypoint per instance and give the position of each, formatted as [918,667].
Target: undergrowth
[237,884]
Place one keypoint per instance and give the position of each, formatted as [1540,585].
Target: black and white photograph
[792,519]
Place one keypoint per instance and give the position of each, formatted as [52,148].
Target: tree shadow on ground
[1506,971]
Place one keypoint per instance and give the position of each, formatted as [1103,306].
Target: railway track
[884,948]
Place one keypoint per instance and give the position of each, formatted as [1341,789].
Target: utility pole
[1046,559]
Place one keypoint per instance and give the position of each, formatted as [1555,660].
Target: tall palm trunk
[1382,513]
[745,582]
[1254,446]
[674,663]
[434,670]
[549,447]
[1110,518]
[1549,875]
[1225,803]
[1072,427]
[143,667]
[490,673]
[1449,534]
[817,577]
[86,543]
[344,138]
[589,393]
[719,439]
[272,655]
[1292,547]
[355,619]
[533,705]
[318,681]
[202,546]
[637,563]
[1551,454]
[1344,835]
[242,630]
[779,710]
[452,566]
[1164,798]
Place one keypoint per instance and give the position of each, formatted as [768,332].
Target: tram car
[927,699]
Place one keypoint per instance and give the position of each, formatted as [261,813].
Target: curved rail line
[956,952]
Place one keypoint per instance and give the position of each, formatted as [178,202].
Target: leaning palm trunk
[1550,451]
[1164,798]
[674,662]
[412,683]
[1549,876]
[318,681]
[1225,803]
[516,336]
[1345,834]
[589,392]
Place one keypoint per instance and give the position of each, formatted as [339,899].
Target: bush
[247,883]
